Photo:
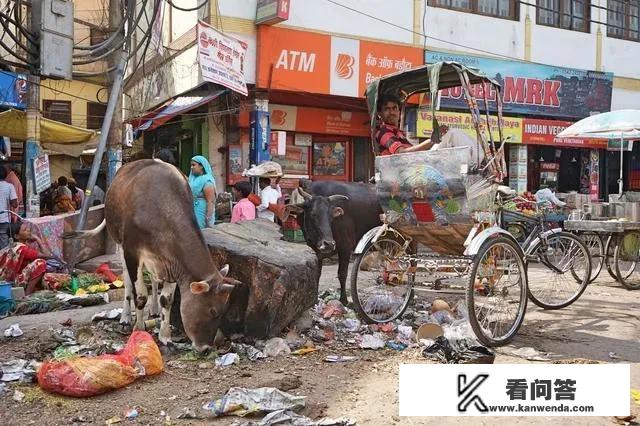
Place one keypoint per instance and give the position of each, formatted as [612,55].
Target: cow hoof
[166,341]
[344,301]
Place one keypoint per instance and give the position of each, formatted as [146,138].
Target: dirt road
[606,319]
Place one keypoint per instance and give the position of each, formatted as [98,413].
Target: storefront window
[296,159]
[329,158]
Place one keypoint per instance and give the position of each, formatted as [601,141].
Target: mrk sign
[529,88]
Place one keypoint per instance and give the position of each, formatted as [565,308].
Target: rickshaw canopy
[441,75]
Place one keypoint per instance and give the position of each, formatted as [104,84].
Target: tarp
[54,136]
[176,106]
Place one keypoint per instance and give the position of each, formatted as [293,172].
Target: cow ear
[225,270]
[199,287]
[337,211]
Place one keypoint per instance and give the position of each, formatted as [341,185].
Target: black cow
[333,218]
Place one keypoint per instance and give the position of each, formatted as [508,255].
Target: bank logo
[467,395]
[278,117]
[344,66]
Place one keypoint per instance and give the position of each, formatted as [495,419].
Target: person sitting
[24,262]
[456,138]
[63,198]
[244,209]
[389,138]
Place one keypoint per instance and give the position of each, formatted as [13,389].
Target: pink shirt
[244,210]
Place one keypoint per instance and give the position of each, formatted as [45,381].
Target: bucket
[5,290]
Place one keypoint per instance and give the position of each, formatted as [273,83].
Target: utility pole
[32,144]
[114,152]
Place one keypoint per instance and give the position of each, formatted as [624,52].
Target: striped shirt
[389,139]
[7,193]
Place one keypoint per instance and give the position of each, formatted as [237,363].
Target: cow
[333,217]
[149,214]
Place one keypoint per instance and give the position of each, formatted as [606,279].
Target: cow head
[203,306]
[315,215]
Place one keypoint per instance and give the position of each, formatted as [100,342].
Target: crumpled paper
[13,331]
[19,369]
[227,359]
[247,351]
[244,401]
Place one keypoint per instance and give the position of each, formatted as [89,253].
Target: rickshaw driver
[390,139]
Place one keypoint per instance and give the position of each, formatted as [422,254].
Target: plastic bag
[89,376]
[105,272]
[459,352]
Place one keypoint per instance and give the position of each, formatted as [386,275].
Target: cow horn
[333,198]
[304,194]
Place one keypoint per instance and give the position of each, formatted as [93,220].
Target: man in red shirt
[389,138]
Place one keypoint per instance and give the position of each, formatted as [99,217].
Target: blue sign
[13,90]
[532,89]
[260,126]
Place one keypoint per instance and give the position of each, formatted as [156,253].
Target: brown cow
[149,213]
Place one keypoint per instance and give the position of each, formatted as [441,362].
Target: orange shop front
[310,143]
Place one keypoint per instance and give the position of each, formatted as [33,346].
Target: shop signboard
[303,139]
[221,58]
[42,174]
[320,63]
[319,120]
[269,12]
[511,127]
[614,145]
[543,132]
[529,88]
[13,90]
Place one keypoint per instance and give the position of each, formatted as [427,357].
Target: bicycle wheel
[596,249]
[497,291]
[558,270]
[625,259]
[609,248]
[382,287]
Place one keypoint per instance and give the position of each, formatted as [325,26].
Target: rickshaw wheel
[571,256]
[497,292]
[596,246]
[625,259]
[390,276]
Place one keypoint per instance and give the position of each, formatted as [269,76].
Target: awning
[54,136]
[170,109]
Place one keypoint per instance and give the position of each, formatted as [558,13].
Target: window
[98,35]
[623,19]
[57,110]
[95,115]
[567,14]
[507,9]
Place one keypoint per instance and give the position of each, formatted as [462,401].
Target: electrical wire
[192,9]
[32,38]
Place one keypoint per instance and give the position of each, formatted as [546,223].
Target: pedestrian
[8,201]
[76,193]
[14,180]
[268,195]
[244,208]
[203,189]
[63,199]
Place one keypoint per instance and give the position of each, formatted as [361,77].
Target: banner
[13,90]
[511,127]
[156,29]
[543,132]
[221,58]
[42,175]
[529,88]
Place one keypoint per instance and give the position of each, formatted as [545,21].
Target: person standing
[14,180]
[76,193]
[244,208]
[268,195]
[203,188]
[8,201]
[63,198]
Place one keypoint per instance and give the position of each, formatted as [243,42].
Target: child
[244,209]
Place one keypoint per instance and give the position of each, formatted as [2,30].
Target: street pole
[114,97]
[114,153]
[32,143]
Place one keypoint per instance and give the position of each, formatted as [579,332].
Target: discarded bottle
[74,282]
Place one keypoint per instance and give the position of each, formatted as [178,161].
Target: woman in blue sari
[203,188]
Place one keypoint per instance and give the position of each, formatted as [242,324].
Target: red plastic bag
[106,273]
[89,376]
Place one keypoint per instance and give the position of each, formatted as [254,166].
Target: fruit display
[525,204]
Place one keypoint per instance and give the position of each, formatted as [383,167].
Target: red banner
[543,132]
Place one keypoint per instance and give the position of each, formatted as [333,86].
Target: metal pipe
[114,96]
[620,182]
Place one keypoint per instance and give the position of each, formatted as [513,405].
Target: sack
[89,376]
